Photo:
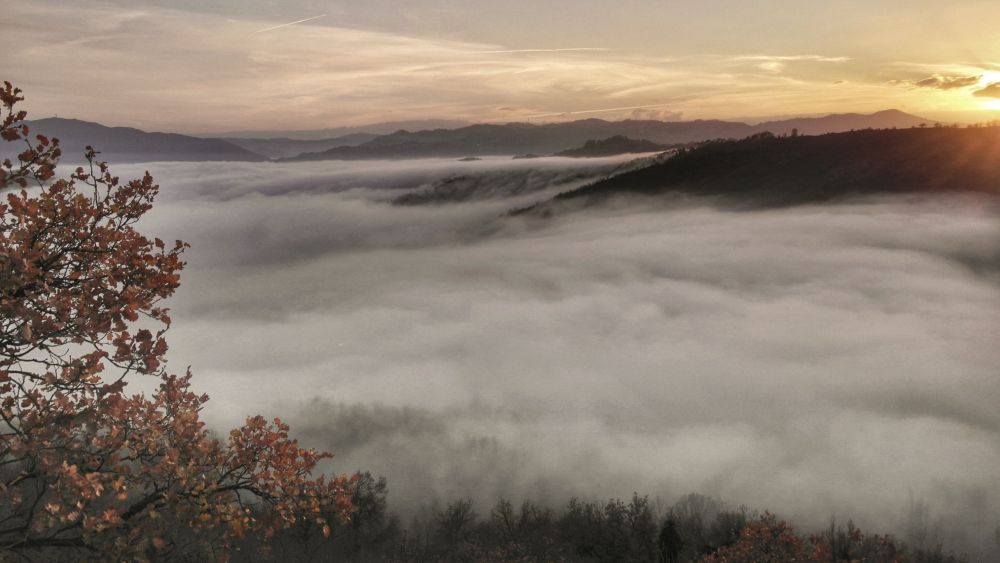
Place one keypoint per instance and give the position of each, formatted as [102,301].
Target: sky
[226,65]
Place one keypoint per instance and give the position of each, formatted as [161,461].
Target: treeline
[695,528]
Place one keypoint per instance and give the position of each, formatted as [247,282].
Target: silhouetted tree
[670,542]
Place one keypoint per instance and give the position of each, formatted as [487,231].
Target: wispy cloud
[562,50]
[599,110]
[778,63]
[940,82]
[787,58]
[290,23]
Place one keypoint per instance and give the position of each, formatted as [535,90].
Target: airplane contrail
[543,50]
[290,23]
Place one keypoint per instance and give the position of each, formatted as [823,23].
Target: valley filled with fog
[830,360]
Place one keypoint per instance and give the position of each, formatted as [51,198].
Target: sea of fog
[816,361]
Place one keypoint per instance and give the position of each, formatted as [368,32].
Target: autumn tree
[765,540]
[769,540]
[85,465]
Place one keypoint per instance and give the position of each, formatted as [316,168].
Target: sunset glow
[329,64]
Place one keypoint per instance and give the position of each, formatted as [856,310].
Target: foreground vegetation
[87,467]
[696,528]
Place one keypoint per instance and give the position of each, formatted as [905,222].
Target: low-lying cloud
[817,361]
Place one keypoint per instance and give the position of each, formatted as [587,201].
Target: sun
[990,77]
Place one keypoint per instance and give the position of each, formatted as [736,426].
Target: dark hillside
[768,170]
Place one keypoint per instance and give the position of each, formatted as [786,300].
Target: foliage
[769,540]
[83,464]
[766,540]
[372,533]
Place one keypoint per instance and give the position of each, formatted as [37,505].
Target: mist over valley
[816,360]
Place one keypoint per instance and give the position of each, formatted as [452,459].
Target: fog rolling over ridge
[814,360]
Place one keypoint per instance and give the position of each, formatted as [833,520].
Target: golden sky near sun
[229,65]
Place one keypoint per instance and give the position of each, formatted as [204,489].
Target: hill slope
[619,144]
[768,170]
[125,144]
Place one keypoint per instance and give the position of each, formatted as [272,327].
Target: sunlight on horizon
[211,69]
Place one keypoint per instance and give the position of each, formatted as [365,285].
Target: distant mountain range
[125,144]
[521,138]
[765,170]
[383,128]
[284,147]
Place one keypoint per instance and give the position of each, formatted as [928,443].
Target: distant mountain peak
[893,111]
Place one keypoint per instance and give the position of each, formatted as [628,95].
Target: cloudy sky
[222,65]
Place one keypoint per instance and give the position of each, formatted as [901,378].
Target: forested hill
[768,170]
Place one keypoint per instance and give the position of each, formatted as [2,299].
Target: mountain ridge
[284,147]
[128,144]
[549,138]
[377,128]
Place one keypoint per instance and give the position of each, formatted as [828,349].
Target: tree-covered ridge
[765,169]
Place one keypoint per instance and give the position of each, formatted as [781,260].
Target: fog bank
[815,361]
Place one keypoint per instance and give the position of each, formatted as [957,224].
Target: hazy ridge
[520,138]
[125,144]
